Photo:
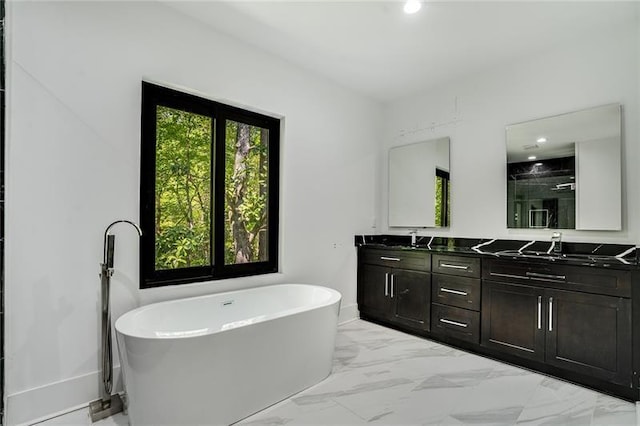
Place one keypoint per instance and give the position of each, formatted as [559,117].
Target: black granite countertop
[617,256]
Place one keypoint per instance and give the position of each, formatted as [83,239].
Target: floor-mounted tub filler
[219,358]
[108,404]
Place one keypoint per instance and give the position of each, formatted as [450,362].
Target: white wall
[73,167]
[475,110]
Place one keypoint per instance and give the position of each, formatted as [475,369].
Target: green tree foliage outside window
[442,204]
[183,189]
[183,195]
[439,204]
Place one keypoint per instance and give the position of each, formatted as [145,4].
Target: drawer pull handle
[456,323]
[497,274]
[448,290]
[546,276]
[551,314]
[394,259]
[446,265]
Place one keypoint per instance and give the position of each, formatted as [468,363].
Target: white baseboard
[52,400]
[348,313]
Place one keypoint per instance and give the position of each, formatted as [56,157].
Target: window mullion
[212,190]
[218,190]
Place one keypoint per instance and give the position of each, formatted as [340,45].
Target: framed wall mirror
[419,184]
[564,172]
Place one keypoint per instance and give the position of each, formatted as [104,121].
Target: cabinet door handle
[539,312]
[386,284]
[448,290]
[392,286]
[446,265]
[546,276]
[551,314]
[456,323]
[393,259]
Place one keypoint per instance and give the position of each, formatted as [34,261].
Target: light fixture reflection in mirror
[419,184]
[563,172]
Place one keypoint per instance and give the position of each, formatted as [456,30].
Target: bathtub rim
[126,331]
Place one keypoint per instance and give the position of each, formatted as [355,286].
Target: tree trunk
[241,238]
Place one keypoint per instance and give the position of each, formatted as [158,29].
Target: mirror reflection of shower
[542,193]
[564,171]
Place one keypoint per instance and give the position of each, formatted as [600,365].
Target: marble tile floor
[386,377]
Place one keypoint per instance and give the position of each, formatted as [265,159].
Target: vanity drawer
[401,259]
[453,322]
[456,265]
[597,280]
[451,290]
[589,279]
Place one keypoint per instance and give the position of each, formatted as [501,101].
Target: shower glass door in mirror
[419,184]
[563,172]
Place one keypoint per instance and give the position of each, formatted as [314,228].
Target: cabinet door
[512,319]
[589,334]
[411,293]
[374,290]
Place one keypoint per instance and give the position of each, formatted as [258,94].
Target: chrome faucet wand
[107,405]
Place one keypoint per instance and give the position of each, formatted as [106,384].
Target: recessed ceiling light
[541,140]
[412,6]
[532,157]
[538,164]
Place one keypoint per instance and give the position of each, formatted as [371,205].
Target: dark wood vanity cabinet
[572,321]
[395,286]
[528,312]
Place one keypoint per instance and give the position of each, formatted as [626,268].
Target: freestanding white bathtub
[216,359]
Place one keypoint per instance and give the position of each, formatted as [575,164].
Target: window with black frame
[209,189]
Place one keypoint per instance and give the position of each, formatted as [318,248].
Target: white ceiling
[373,47]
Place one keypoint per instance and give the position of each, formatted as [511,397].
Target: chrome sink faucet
[556,242]
[413,233]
